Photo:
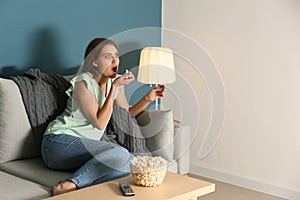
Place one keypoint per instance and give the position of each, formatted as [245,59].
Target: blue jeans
[93,161]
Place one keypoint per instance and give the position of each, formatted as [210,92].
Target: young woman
[72,140]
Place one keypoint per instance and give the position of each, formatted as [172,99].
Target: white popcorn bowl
[149,176]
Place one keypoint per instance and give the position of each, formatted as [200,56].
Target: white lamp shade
[156,66]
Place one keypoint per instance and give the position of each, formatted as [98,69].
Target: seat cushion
[158,128]
[34,170]
[13,188]
[16,140]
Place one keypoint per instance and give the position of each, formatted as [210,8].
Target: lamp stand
[156,100]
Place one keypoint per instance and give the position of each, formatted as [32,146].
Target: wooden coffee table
[175,187]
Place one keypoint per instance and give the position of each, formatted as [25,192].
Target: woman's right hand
[124,79]
[155,93]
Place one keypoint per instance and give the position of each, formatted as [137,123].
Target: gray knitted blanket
[44,98]
[124,130]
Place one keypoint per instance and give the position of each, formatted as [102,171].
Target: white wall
[255,45]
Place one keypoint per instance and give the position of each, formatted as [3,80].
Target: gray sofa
[23,174]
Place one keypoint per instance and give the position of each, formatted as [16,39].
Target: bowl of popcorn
[148,171]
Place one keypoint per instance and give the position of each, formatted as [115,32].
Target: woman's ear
[95,64]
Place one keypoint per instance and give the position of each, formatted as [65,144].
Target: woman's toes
[63,187]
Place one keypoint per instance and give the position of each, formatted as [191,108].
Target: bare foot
[63,187]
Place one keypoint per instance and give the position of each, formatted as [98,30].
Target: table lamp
[156,67]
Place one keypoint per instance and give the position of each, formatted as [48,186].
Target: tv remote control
[126,189]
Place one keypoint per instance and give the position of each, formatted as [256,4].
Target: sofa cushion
[12,188]
[158,127]
[44,96]
[34,170]
[16,140]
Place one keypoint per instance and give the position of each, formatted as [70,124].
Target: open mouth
[115,69]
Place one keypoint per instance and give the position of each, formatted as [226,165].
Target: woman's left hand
[155,93]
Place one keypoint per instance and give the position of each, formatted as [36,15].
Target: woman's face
[108,61]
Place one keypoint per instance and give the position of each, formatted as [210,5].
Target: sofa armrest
[182,143]
[158,129]
[166,138]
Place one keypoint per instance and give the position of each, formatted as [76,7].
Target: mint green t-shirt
[72,121]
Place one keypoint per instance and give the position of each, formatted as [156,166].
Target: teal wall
[52,34]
